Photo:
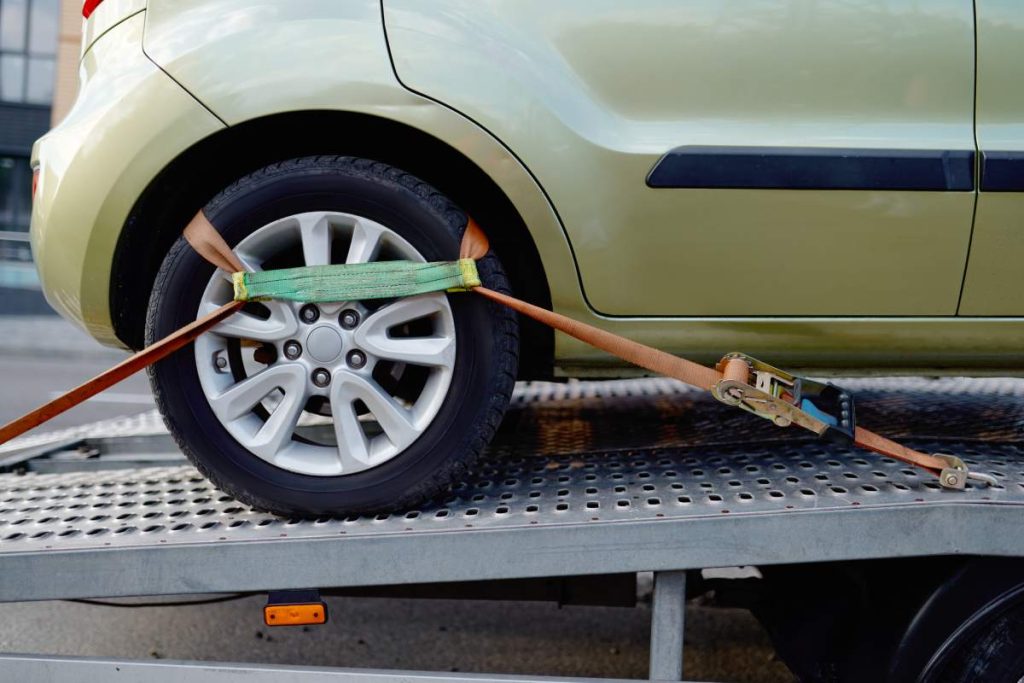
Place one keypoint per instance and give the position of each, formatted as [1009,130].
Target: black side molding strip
[1002,171]
[814,168]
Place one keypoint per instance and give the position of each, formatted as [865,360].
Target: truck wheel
[342,408]
[968,625]
[995,654]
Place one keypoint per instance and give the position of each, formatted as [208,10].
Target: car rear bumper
[129,121]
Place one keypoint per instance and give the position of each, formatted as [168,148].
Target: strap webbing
[628,350]
[474,242]
[126,368]
[357,281]
[686,371]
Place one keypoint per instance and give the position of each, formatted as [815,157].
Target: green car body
[549,122]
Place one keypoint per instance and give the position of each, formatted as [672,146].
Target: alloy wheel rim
[334,391]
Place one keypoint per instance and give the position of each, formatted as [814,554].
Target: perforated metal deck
[586,478]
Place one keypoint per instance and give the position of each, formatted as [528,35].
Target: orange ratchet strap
[773,394]
[129,366]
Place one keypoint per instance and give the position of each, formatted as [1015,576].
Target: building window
[28,48]
[15,194]
[15,208]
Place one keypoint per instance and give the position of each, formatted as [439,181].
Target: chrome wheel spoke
[241,397]
[281,324]
[437,350]
[366,239]
[353,446]
[395,420]
[251,265]
[278,429]
[404,311]
[315,232]
[428,351]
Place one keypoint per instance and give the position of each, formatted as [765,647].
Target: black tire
[994,653]
[484,370]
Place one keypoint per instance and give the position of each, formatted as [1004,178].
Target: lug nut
[309,313]
[321,377]
[356,359]
[292,349]
[349,319]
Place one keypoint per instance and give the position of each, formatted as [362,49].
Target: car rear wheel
[341,408]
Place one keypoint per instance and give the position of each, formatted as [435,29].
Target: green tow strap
[352,282]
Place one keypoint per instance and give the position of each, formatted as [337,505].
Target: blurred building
[39,54]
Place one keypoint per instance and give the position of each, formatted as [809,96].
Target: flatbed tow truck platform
[584,478]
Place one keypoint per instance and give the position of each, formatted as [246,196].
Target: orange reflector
[295,615]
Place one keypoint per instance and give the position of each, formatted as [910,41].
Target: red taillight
[89,6]
[35,181]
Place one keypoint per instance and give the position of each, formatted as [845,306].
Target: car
[832,186]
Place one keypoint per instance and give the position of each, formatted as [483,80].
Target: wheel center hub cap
[324,344]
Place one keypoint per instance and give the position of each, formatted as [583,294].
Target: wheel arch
[196,175]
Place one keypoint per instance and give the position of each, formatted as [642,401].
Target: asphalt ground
[42,356]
